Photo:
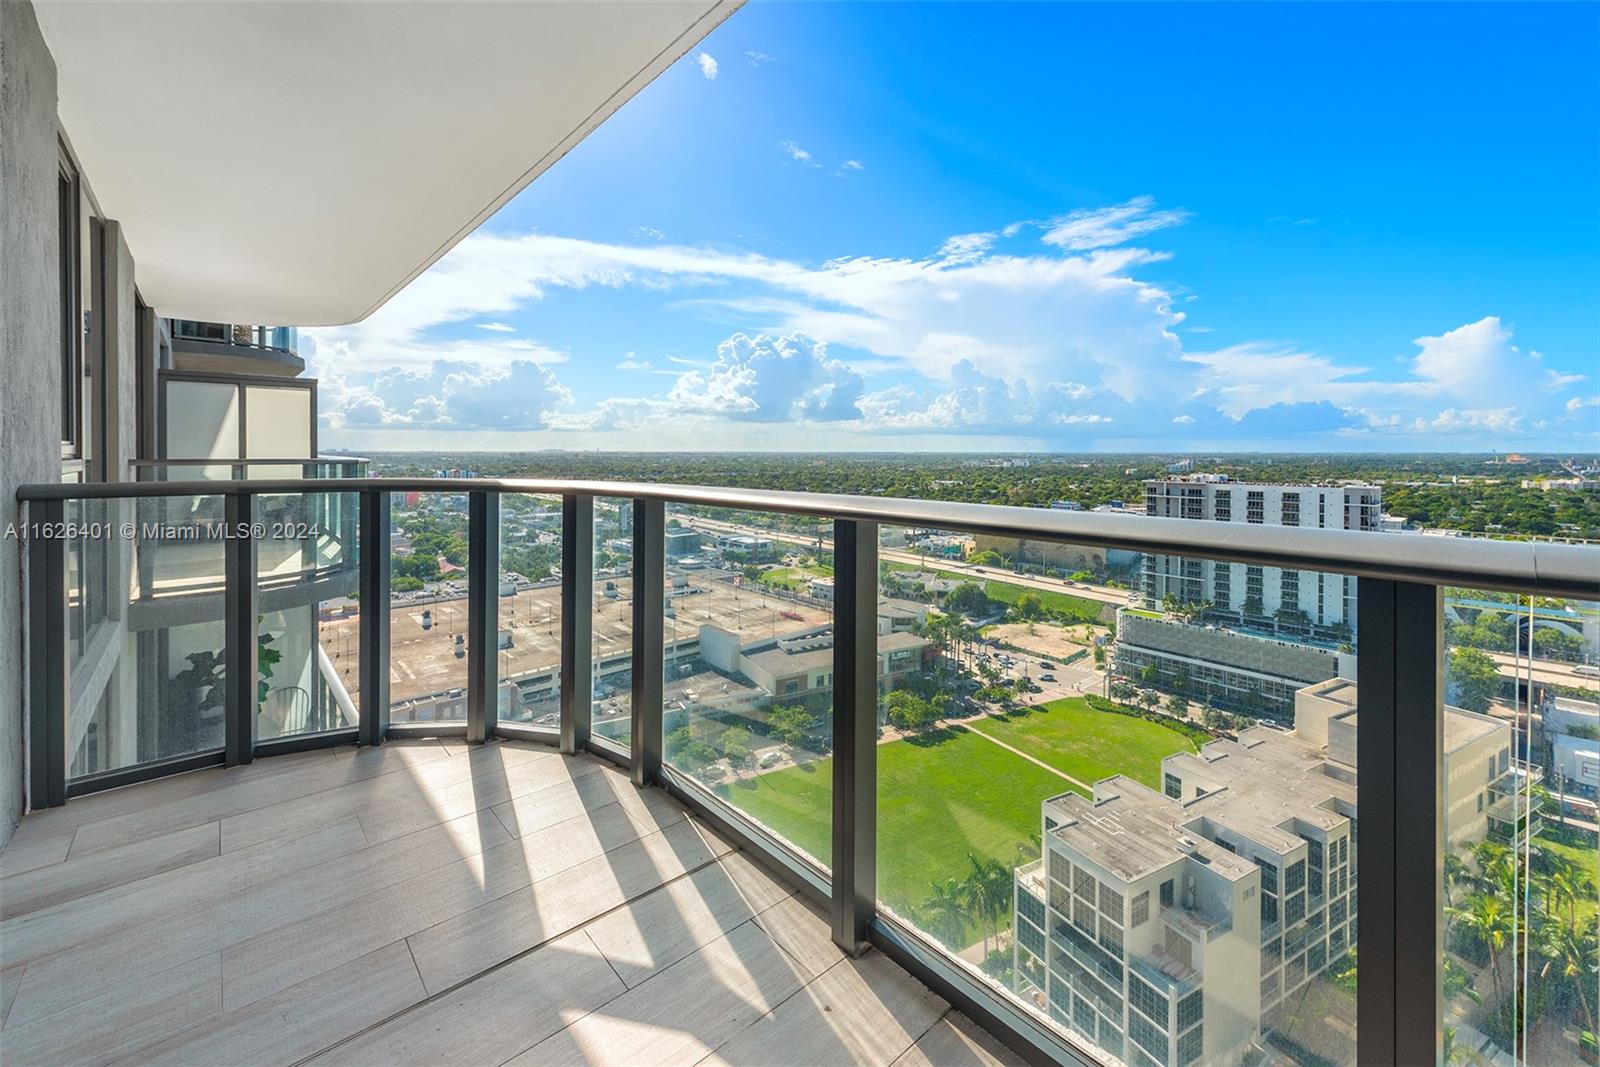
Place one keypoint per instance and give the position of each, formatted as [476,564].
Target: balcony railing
[209,573]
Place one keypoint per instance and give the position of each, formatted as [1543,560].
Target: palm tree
[1485,914]
[1571,954]
[946,912]
[989,892]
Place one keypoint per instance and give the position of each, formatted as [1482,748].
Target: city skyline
[848,232]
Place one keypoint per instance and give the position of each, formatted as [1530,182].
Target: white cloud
[975,337]
[708,66]
[757,58]
[796,153]
[497,327]
[446,396]
[852,164]
[1080,231]
[649,231]
[1578,403]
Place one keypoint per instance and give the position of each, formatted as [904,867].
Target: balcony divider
[649,580]
[47,655]
[239,647]
[483,619]
[577,621]
[855,732]
[374,587]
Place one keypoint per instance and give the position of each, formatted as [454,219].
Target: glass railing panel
[1110,813]
[748,675]
[529,595]
[1522,864]
[428,608]
[309,624]
[612,710]
[147,672]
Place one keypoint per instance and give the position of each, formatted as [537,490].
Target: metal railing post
[577,621]
[855,732]
[1400,848]
[374,587]
[47,655]
[649,580]
[483,615]
[241,702]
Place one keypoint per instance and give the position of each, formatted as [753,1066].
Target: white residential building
[1168,927]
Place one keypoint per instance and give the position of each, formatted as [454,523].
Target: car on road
[1046,666]
[1047,677]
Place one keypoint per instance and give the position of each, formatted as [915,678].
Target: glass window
[747,684]
[428,608]
[308,642]
[528,591]
[1141,909]
[612,619]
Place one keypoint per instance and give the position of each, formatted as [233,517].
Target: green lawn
[794,578]
[1572,847]
[1087,744]
[948,793]
[940,797]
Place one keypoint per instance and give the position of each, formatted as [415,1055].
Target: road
[1548,672]
[1105,595]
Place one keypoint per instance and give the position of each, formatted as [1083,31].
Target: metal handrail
[1560,570]
[250,461]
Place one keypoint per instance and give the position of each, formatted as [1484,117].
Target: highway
[1546,671]
[1118,597]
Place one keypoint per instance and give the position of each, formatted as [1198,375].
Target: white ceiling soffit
[298,164]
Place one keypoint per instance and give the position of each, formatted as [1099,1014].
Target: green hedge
[1197,734]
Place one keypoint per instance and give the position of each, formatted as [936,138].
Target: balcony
[235,348]
[500,788]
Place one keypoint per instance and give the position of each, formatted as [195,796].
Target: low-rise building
[1168,927]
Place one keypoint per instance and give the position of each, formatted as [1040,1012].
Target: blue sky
[1362,227]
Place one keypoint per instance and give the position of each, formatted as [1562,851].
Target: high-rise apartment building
[1170,927]
[1280,601]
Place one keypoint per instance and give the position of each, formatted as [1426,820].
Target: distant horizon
[1531,454]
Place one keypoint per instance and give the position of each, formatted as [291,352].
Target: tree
[946,912]
[1178,706]
[789,723]
[988,889]
[1474,679]
[987,558]
[735,742]
[909,711]
[968,599]
[1029,606]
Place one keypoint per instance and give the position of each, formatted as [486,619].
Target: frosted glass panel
[277,422]
[202,420]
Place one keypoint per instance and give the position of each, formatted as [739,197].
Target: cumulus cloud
[447,396]
[975,337]
[708,66]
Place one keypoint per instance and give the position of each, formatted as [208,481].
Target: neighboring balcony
[382,770]
[235,348]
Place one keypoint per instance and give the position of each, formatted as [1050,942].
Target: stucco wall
[30,376]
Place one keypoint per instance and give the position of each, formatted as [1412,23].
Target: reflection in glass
[1522,769]
[612,716]
[309,633]
[748,685]
[147,671]
[428,608]
[529,638]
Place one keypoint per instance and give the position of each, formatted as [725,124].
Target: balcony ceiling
[300,163]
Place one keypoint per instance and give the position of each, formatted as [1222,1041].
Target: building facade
[1169,926]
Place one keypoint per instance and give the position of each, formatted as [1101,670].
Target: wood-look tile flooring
[428,902]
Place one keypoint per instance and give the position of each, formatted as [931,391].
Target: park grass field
[948,794]
[1087,744]
[794,579]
